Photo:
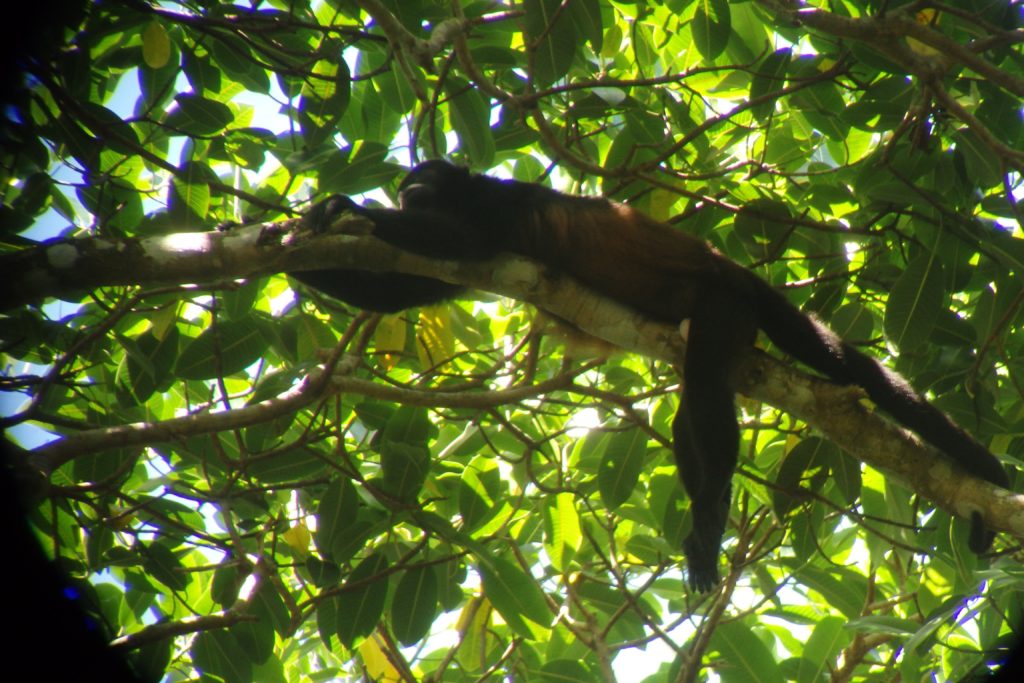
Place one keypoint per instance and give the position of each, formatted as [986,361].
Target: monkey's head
[435,185]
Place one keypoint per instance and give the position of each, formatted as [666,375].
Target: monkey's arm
[424,232]
[428,232]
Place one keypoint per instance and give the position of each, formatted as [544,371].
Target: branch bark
[266,249]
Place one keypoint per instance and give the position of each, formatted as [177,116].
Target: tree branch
[169,629]
[265,249]
[51,456]
[888,33]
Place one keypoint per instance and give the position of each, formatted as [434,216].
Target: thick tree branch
[256,250]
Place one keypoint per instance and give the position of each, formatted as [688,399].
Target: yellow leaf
[435,342]
[156,45]
[389,339]
[120,518]
[376,662]
[473,622]
[661,203]
[612,43]
[297,537]
[162,320]
[925,17]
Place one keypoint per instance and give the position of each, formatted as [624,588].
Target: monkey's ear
[323,214]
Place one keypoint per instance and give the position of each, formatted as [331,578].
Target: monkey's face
[434,185]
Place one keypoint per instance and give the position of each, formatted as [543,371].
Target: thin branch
[950,49]
[51,456]
[888,33]
[170,629]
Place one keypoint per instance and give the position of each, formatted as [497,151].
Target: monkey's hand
[324,215]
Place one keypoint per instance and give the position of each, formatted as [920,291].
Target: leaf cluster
[866,155]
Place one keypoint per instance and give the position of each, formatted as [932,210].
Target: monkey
[660,272]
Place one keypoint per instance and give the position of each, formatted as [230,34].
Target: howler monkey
[664,274]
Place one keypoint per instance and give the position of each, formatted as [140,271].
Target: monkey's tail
[811,342]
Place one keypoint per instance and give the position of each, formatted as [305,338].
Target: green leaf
[564,536]
[884,625]
[552,39]
[711,27]
[476,500]
[770,77]
[565,671]
[410,425]
[807,456]
[405,467]
[335,515]
[163,565]
[853,322]
[763,225]
[827,640]
[915,303]
[1001,114]
[745,659]
[111,129]
[515,594]
[149,362]
[396,93]
[843,589]
[256,637]
[227,580]
[374,414]
[846,473]
[232,54]
[150,661]
[323,574]
[189,198]
[268,606]
[217,653]
[330,87]
[197,115]
[586,17]
[201,73]
[289,464]
[471,117]
[676,519]
[414,607]
[823,106]
[983,166]
[221,350]
[882,106]
[356,169]
[327,619]
[620,467]
[360,608]
[645,126]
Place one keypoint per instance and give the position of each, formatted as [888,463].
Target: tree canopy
[248,481]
